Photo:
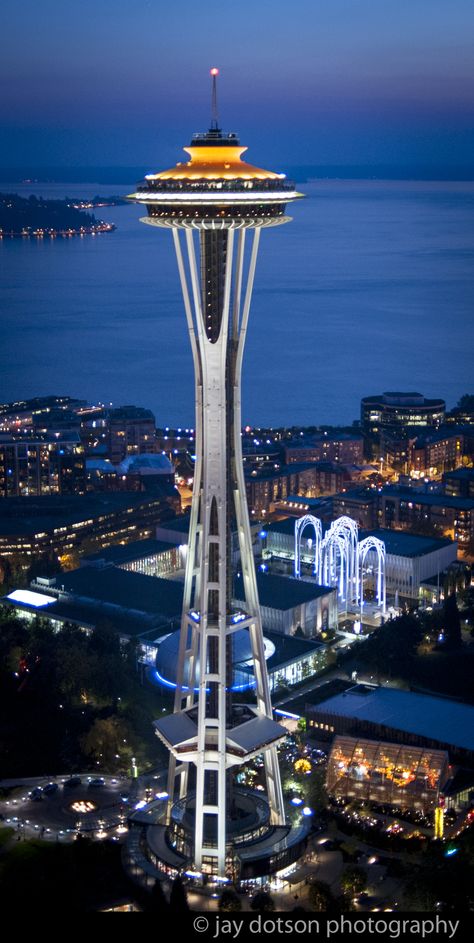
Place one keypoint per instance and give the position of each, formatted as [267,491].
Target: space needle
[216,205]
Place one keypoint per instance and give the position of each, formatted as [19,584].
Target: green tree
[315,789]
[104,742]
[157,902]
[466,401]
[178,896]
[229,900]
[452,623]
[353,879]
[262,902]
[320,896]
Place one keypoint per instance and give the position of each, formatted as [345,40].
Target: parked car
[73,781]
[50,789]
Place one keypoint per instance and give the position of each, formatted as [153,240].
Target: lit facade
[42,464]
[215,204]
[376,771]
[61,525]
[400,409]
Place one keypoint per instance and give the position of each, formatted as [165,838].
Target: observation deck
[215,189]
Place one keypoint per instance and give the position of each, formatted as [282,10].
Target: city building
[459,483]
[344,448]
[437,452]
[131,604]
[149,557]
[426,455]
[297,505]
[411,563]
[405,508]
[151,473]
[397,411]
[214,204]
[288,660]
[411,560]
[386,773]
[68,526]
[395,716]
[292,606]
[42,414]
[130,431]
[265,487]
[359,504]
[44,463]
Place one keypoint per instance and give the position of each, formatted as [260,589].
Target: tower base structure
[256,850]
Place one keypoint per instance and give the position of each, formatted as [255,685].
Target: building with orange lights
[387,773]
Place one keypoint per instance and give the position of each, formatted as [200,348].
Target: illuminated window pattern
[376,771]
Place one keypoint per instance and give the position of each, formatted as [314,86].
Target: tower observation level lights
[216,205]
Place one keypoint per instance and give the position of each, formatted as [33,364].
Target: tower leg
[217,329]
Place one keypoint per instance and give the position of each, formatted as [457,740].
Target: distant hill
[37,217]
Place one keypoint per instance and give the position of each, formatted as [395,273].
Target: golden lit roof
[215,163]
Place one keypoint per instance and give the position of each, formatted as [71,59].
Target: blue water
[370,288]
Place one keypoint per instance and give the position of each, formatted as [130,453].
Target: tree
[315,788]
[105,742]
[452,623]
[157,901]
[320,896]
[466,401]
[48,565]
[391,648]
[5,571]
[178,896]
[229,900]
[262,902]
[353,879]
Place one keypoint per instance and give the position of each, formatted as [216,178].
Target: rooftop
[90,614]
[137,550]
[178,525]
[401,544]
[283,471]
[31,515]
[434,500]
[155,463]
[461,474]
[131,591]
[396,542]
[288,649]
[403,399]
[282,592]
[440,719]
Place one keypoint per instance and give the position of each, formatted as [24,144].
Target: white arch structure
[344,530]
[368,545]
[339,558]
[335,564]
[300,526]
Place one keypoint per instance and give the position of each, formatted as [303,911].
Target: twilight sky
[124,82]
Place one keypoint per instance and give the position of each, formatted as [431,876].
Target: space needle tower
[216,205]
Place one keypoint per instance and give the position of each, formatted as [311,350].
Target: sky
[343,82]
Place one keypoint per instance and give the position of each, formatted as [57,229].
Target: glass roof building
[391,773]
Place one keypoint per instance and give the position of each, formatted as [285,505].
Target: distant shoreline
[37,218]
[127,175]
[59,233]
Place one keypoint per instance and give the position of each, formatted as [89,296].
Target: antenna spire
[215,119]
